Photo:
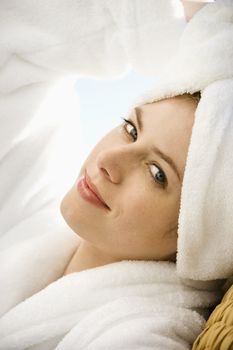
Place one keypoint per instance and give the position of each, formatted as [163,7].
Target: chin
[75,216]
[65,207]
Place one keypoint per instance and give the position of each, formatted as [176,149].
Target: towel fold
[204,62]
[99,308]
[128,304]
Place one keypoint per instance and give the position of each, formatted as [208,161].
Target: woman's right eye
[130,129]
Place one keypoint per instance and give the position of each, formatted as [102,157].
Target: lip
[89,192]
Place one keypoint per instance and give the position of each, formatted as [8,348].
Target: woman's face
[141,188]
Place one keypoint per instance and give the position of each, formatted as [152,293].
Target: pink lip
[89,192]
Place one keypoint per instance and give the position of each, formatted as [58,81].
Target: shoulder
[127,322]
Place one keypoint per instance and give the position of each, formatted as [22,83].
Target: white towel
[43,42]
[131,304]
[204,62]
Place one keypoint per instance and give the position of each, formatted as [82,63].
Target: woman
[118,286]
[121,275]
[140,218]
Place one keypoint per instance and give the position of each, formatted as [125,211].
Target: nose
[113,163]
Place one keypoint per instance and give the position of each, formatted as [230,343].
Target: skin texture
[143,218]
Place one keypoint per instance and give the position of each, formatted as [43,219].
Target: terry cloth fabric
[123,305]
[204,62]
[41,43]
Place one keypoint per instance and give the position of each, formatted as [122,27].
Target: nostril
[105,171]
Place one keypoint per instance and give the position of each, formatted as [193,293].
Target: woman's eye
[130,129]
[158,175]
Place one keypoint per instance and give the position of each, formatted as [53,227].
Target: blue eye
[128,130]
[159,176]
[131,131]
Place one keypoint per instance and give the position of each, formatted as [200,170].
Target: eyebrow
[156,150]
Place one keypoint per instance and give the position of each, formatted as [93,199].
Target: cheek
[146,211]
[139,210]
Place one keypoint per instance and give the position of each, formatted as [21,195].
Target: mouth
[94,189]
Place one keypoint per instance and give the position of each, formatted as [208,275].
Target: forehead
[171,116]
[175,107]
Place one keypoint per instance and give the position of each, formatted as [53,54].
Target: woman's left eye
[131,131]
[159,176]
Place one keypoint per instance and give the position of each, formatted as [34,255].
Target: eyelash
[128,121]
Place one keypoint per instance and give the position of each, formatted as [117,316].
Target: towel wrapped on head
[204,62]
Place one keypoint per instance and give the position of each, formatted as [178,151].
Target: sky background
[104,102]
[86,109]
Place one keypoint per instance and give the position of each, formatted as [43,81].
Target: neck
[87,256]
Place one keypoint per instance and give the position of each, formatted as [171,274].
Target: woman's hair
[196,96]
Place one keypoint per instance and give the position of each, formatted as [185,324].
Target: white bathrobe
[124,305]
